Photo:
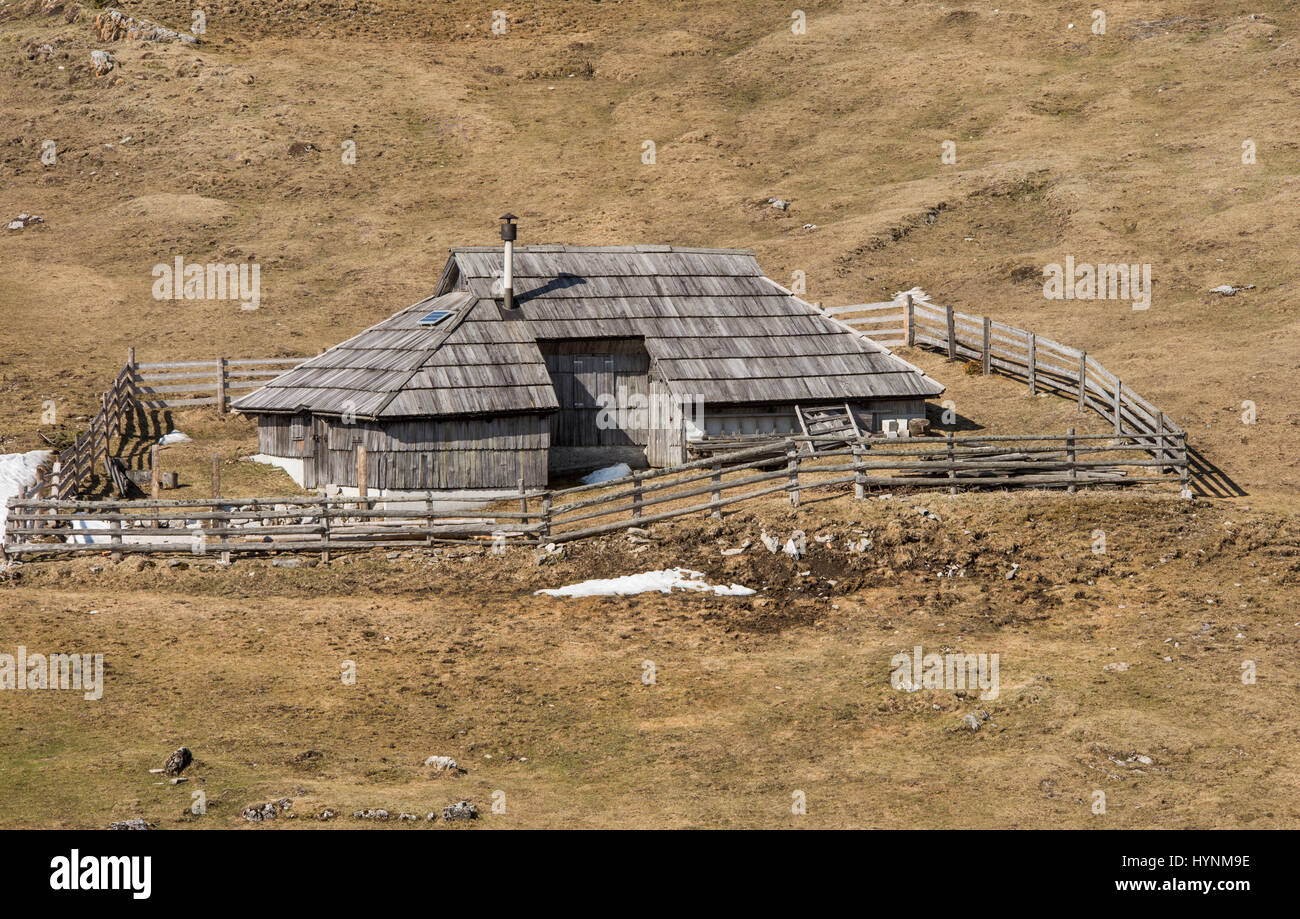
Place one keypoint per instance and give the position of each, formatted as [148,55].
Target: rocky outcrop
[114,25]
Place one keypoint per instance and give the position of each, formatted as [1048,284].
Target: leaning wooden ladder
[826,420]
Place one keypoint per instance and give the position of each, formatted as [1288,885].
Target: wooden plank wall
[582,371]
[415,454]
[665,446]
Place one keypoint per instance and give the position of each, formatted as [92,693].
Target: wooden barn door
[316,470]
[587,374]
[582,372]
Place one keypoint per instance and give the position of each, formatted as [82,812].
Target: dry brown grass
[1118,147]
[755,697]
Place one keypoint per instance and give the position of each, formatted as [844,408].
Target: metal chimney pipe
[508,231]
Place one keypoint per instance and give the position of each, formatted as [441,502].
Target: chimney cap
[508,230]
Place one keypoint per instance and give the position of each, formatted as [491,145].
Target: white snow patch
[17,474]
[292,466]
[663,581]
[175,437]
[88,538]
[607,474]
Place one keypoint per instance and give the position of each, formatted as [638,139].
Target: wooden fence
[1043,364]
[188,383]
[74,466]
[149,386]
[233,526]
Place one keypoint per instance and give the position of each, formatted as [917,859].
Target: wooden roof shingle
[716,326]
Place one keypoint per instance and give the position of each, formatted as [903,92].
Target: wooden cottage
[543,359]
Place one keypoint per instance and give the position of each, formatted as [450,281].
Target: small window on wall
[296,428]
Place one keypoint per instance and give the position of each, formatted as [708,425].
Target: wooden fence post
[362,471]
[792,464]
[636,495]
[56,476]
[717,489]
[988,346]
[107,423]
[1033,364]
[1184,474]
[117,406]
[1160,439]
[215,524]
[1083,378]
[546,517]
[859,487]
[952,466]
[909,322]
[221,386]
[155,473]
[1119,404]
[523,502]
[116,522]
[1071,457]
[952,333]
[325,532]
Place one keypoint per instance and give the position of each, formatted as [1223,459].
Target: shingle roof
[715,325]
[474,362]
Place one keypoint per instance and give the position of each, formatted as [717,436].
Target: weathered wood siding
[416,454]
[585,372]
[665,445]
[283,435]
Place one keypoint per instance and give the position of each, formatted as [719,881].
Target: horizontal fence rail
[236,526]
[187,383]
[1043,364]
[224,527]
[140,387]
[73,467]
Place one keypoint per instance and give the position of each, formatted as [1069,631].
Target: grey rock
[178,761]
[135,823]
[102,62]
[461,810]
[268,811]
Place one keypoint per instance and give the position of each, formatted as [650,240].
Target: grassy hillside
[1125,146]
[1119,672]
[1118,147]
